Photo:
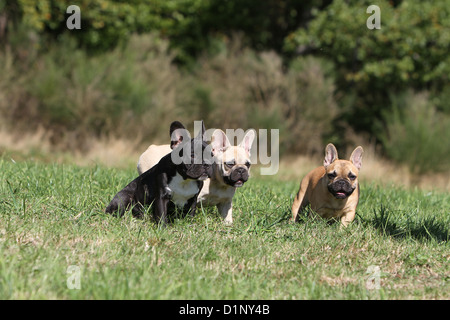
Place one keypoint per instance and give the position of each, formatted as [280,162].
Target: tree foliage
[410,51]
[361,74]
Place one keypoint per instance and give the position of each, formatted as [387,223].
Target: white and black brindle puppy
[169,183]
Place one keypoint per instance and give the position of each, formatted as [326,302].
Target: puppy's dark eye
[248,164]
[230,164]
[331,175]
[351,176]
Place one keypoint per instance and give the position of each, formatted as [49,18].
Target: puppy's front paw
[228,221]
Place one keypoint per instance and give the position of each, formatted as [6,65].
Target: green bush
[311,105]
[191,25]
[107,23]
[242,88]
[417,134]
[128,92]
[135,91]
[120,75]
[410,51]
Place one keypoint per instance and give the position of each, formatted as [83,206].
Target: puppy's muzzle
[199,171]
[238,177]
[340,189]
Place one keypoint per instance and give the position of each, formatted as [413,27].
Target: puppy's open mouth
[234,183]
[340,195]
[340,189]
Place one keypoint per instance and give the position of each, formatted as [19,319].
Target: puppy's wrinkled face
[342,175]
[196,154]
[233,162]
[235,166]
[200,166]
[342,178]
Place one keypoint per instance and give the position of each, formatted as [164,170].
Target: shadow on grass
[404,227]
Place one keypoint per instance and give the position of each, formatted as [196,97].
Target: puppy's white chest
[214,193]
[182,190]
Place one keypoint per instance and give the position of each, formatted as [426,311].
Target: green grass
[51,218]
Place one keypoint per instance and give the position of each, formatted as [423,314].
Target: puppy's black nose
[341,183]
[240,170]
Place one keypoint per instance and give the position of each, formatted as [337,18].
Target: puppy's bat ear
[356,157]
[219,141]
[176,125]
[247,142]
[330,155]
[177,134]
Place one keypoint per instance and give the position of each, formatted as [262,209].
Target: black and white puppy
[169,183]
[230,170]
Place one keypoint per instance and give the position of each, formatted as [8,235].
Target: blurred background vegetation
[310,68]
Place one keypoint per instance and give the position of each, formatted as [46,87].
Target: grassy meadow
[78,107]
[52,223]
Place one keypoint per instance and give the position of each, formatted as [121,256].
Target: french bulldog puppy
[154,152]
[168,184]
[231,169]
[331,190]
[151,156]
